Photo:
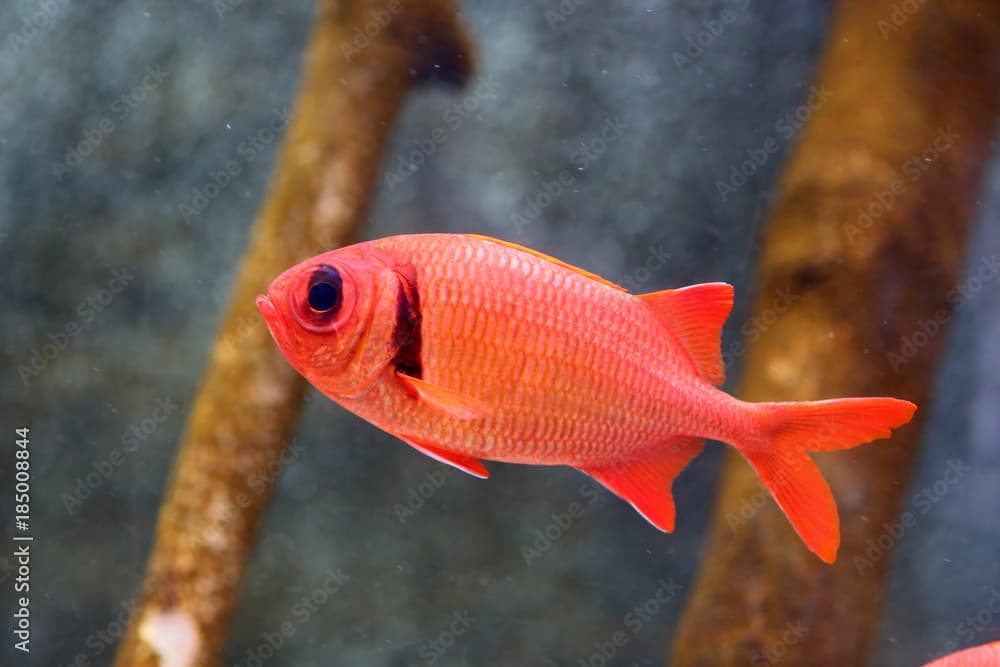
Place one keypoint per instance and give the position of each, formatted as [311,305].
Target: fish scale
[472,348]
[587,421]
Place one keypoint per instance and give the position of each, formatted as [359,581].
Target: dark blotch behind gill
[406,335]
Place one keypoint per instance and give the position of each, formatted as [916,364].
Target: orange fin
[792,477]
[509,244]
[646,482]
[805,498]
[451,403]
[839,423]
[696,314]
[468,464]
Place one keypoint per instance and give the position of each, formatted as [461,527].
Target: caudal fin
[792,429]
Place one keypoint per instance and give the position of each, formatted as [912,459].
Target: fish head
[340,318]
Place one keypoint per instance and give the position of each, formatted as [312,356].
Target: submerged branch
[354,83]
[869,234]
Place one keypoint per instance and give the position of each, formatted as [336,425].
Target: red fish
[471,348]
[987,655]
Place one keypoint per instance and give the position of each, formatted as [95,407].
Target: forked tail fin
[792,429]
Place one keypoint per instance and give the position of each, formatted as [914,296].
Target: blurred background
[118,246]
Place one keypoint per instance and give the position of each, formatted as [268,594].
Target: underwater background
[115,118]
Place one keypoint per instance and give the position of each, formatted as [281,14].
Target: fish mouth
[271,319]
[270,314]
[266,308]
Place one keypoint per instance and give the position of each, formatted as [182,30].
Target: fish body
[470,348]
[571,371]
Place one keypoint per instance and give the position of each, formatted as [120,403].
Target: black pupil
[323,297]
[325,292]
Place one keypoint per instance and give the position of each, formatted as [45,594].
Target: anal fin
[467,464]
[646,482]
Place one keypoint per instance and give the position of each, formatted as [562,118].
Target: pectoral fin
[451,403]
[468,464]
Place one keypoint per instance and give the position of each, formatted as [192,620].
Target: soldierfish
[987,655]
[470,348]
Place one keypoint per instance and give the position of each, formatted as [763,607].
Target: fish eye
[325,290]
[323,297]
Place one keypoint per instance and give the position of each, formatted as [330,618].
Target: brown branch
[899,83]
[362,59]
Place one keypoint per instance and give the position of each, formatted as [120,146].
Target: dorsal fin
[696,314]
[542,255]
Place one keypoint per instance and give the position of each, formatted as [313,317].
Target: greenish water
[136,142]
